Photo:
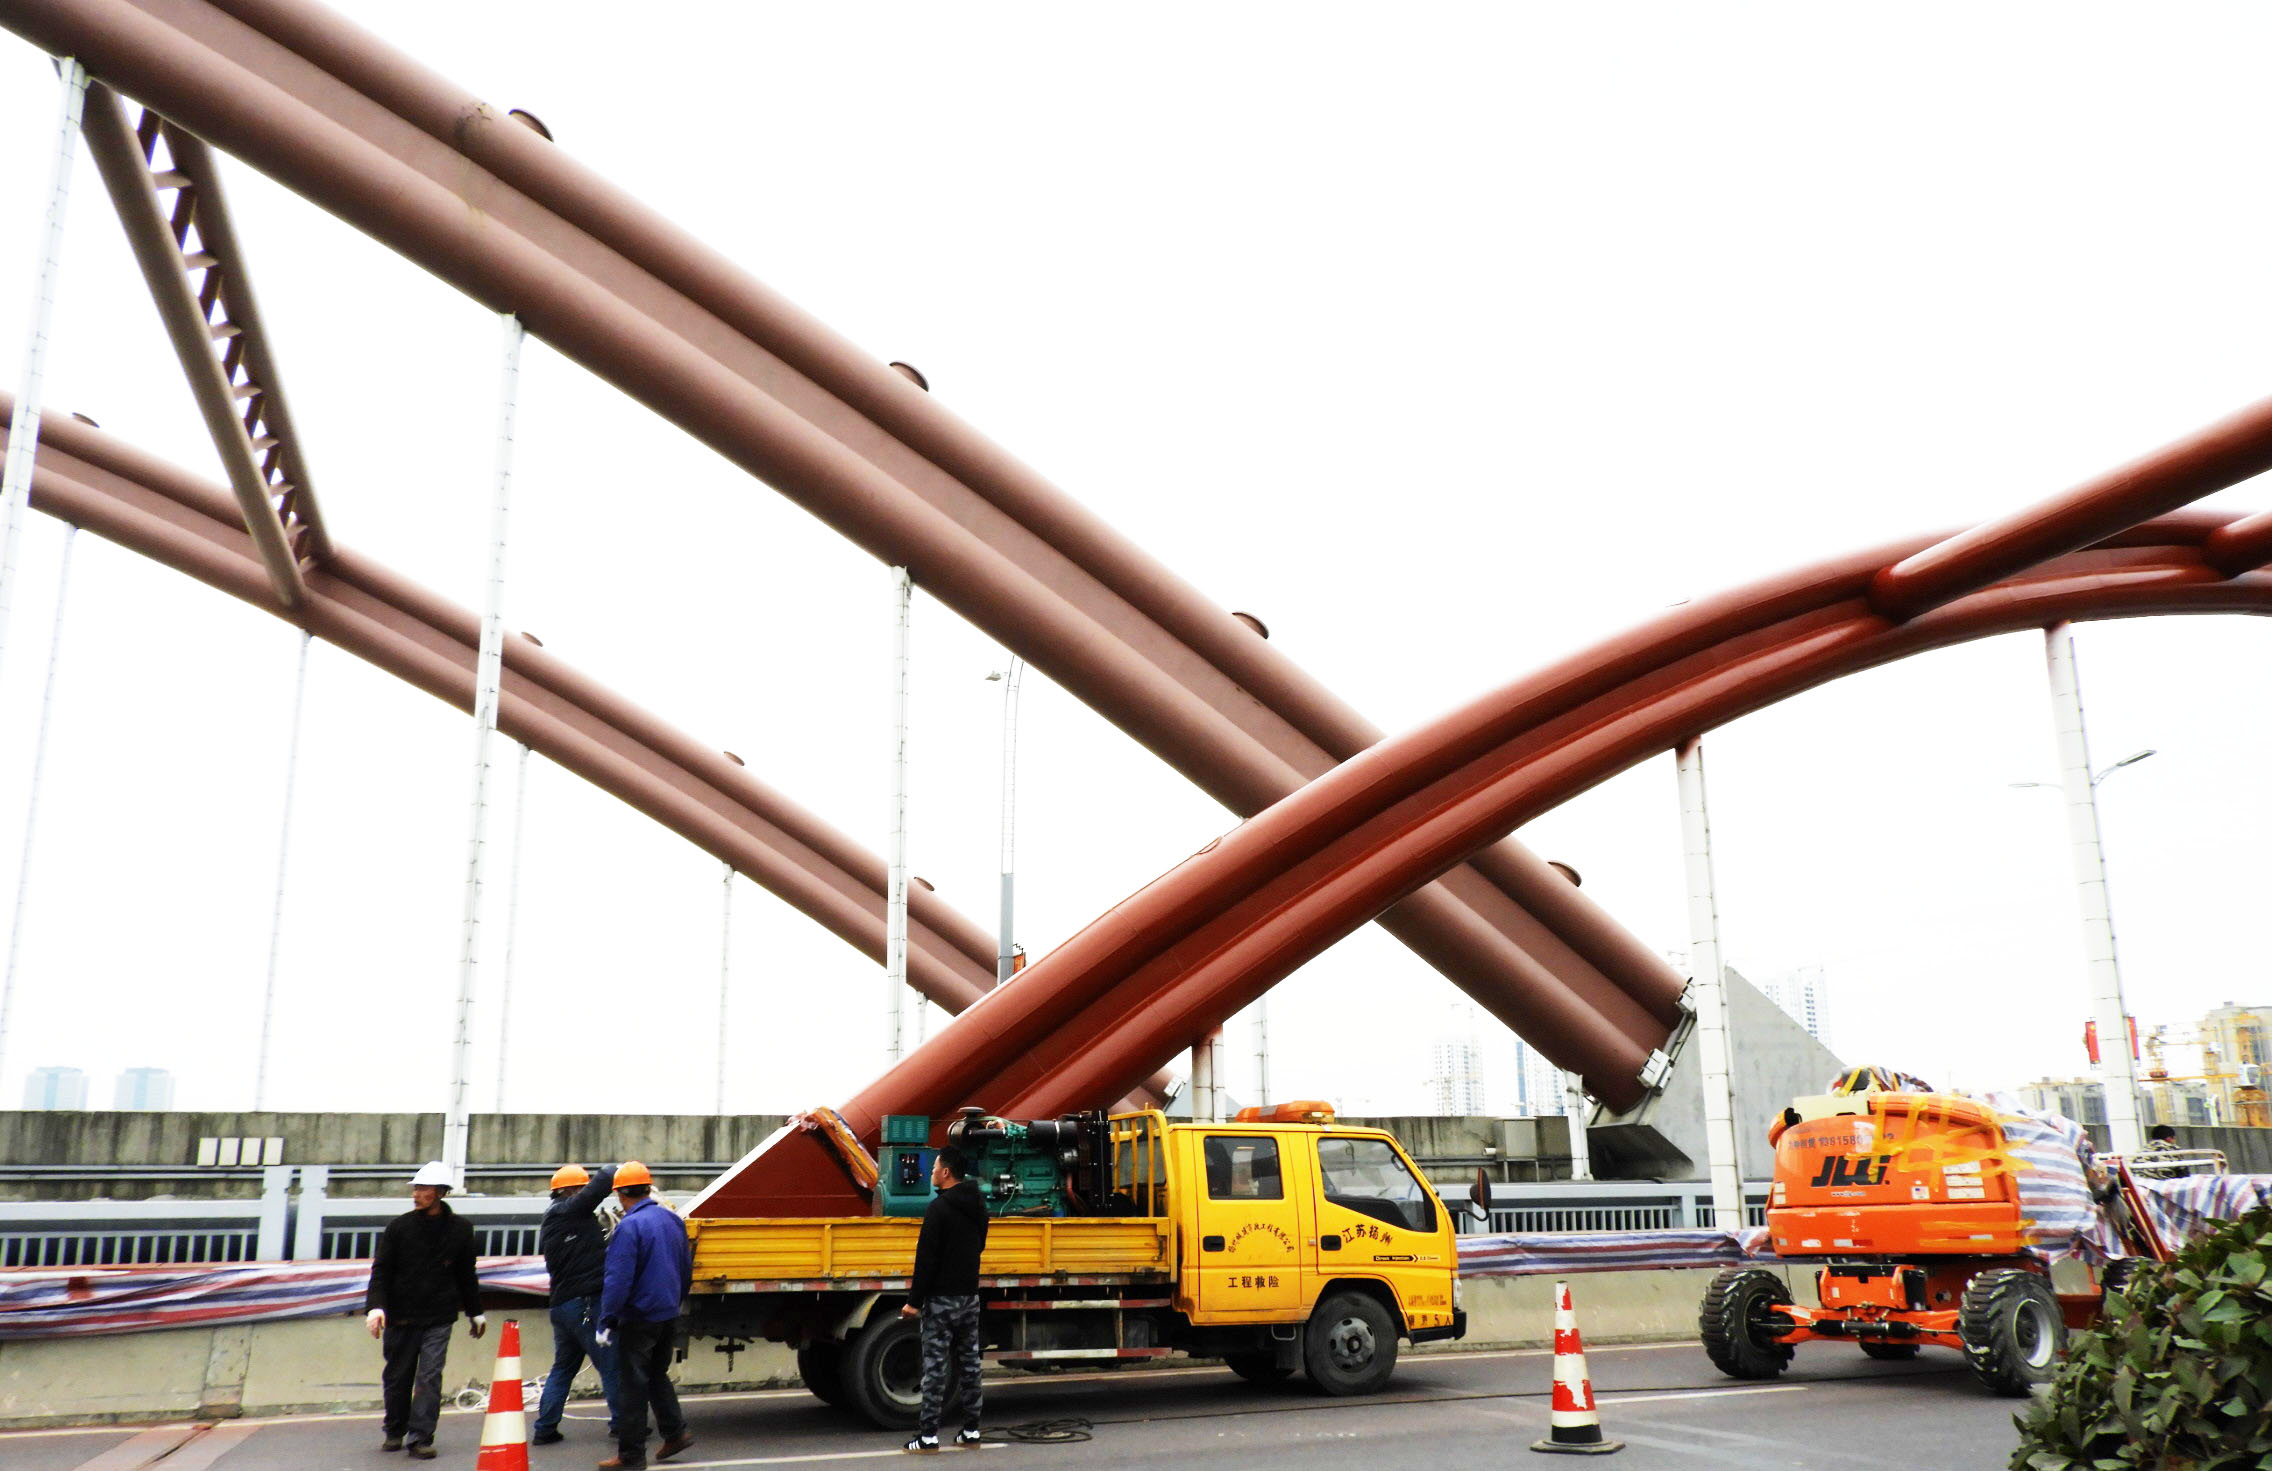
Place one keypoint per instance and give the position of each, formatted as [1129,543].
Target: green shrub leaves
[2178,1374]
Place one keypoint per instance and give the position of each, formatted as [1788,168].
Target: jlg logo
[1849,1169]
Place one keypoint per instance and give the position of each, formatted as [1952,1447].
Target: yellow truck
[1278,1242]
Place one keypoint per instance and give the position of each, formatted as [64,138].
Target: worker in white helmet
[421,1279]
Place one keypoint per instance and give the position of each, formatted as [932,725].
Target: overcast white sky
[1445,338]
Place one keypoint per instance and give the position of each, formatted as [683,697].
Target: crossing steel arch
[499,212]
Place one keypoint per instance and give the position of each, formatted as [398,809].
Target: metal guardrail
[300,1224]
[295,1217]
[1553,1206]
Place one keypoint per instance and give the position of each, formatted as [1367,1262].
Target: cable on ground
[1067,1431]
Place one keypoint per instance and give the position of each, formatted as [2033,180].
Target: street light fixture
[2130,760]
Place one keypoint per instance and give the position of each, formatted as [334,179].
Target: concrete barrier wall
[332,1364]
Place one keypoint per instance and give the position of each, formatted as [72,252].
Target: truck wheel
[1893,1351]
[822,1366]
[1262,1368]
[883,1372]
[1349,1346]
[2012,1328]
[1739,1324]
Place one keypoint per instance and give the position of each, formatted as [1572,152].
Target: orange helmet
[633,1173]
[568,1177]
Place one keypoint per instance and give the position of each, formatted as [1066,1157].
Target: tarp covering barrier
[64,1302]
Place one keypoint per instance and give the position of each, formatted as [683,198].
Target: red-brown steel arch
[512,221]
[1220,929]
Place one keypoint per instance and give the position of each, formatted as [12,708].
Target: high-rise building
[55,1087]
[144,1089]
[2239,1034]
[2080,1099]
[1800,995]
[1538,1085]
[1455,1085]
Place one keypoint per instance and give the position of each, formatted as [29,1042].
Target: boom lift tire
[883,1371]
[1894,1352]
[2012,1328]
[1739,1325]
[821,1364]
[1349,1345]
[1262,1368]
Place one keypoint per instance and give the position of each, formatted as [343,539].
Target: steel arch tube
[509,219]
[1214,933]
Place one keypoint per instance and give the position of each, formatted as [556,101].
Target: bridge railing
[296,1218]
[1551,1207]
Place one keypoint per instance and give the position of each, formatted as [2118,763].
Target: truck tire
[2013,1329]
[883,1372]
[1890,1351]
[1261,1368]
[1349,1345]
[1739,1324]
[821,1364]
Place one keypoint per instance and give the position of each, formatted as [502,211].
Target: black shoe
[924,1443]
[423,1451]
[547,1437]
[969,1435]
[391,1443]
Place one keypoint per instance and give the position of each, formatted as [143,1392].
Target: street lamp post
[1004,958]
[2101,963]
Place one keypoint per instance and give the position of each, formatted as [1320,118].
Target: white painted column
[1575,1107]
[1207,1078]
[283,868]
[1004,953]
[23,431]
[512,928]
[488,678]
[725,979]
[1262,1094]
[2100,964]
[31,797]
[895,879]
[1708,992]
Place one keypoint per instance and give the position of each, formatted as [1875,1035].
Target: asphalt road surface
[1834,1410]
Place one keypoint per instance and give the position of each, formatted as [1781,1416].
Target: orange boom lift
[1911,1202]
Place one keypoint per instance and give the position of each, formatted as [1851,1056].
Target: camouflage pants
[950,1336]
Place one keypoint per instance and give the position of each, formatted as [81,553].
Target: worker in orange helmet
[650,1267]
[575,1255]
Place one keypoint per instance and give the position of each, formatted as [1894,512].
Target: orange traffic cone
[504,1430]
[1576,1425]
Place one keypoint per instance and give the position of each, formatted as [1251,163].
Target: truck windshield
[1365,1175]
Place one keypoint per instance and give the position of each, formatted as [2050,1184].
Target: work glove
[376,1321]
[605,1338]
[480,1325]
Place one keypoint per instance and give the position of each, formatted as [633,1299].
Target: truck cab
[1279,1214]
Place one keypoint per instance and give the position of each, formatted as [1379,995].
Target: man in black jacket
[575,1251]
[943,1294]
[421,1279]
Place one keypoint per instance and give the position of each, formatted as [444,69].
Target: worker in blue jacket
[650,1266]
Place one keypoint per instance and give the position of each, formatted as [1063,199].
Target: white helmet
[434,1172]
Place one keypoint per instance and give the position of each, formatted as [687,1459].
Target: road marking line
[138,1451]
[1642,1399]
[825,1456]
